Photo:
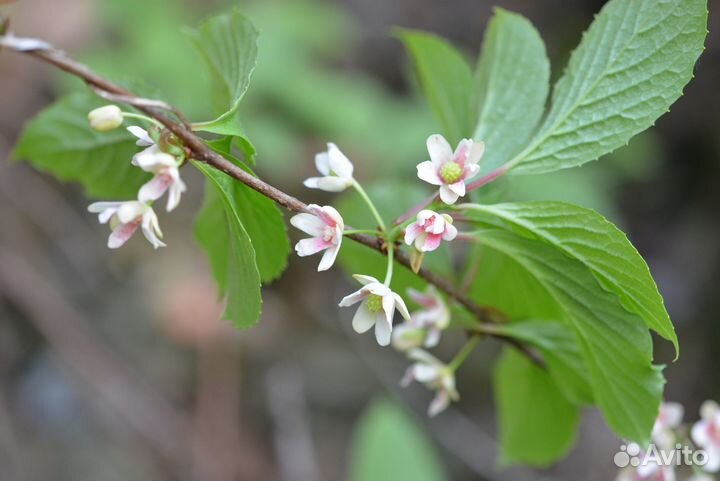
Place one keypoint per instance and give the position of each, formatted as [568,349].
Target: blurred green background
[113,365]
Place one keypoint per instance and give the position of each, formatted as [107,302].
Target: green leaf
[537,424]
[446,81]
[561,351]
[616,344]
[228,44]
[220,231]
[512,81]
[591,239]
[388,446]
[59,141]
[631,65]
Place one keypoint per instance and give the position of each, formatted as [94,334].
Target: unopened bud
[106,118]
[416,260]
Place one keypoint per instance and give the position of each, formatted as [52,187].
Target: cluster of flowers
[669,435]
[447,169]
[159,158]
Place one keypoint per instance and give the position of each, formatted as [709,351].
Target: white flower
[649,469]
[166,178]
[435,375]
[336,168]
[669,419]
[377,307]
[325,225]
[450,169]
[425,324]
[125,218]
[706,434]
[105,118]
[429,229]
[143,138]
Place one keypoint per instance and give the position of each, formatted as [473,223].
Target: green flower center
[374,303]
[451,172]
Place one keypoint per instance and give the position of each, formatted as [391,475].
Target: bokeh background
[113,365]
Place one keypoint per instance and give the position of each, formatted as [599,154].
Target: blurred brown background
[112,363]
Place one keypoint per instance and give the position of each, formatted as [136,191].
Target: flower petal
[308,223]
[458,187]
[425,373]
[363,319]
[447,195]
[340,165]
[151,229]
[154,188]
[121,234]
[383,331]
[365,280]
[412,232]
[308,247]
[439,150]
[462,152]
[144,139]
[129,211]
[426,171]
[432,242]
[328,184]
[476,152]
[401,307]
[439,404]
[353,298]
[322,163]
[388,305]
[450,232]
[328,259]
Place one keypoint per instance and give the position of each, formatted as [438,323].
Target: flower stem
[132,115]
[390,256]
[464,353]
[361,231]
[370,204]
[486,179]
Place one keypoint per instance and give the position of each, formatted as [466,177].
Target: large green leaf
[388,446]
[228,43]
[220,231]
[537,424]
[562,354]
[446,81]
[631,65]
[261,218]
[512,81]
[616,344]
[588,237]
[59,141]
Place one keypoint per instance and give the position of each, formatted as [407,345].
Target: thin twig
[201,152]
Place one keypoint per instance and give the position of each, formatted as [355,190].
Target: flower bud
[105,118]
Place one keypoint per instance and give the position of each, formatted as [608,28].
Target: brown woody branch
[160,111]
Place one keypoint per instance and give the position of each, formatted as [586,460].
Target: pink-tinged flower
[143,138]
[166,176]
[706,434]
[669,419]
[450,170]
[336,168]
[435,375]
[426,324]
[325,225]
[105,118]
[125,218]
[429,229]
[377,308]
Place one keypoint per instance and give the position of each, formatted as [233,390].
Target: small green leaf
[446,81]
[585,235]
[220,232]
[59,141]
[388,446]
[631,65]
[228,44]
[537,424]
[512,81]
[562,354]
[616,344]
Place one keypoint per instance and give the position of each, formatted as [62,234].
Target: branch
[201,152]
